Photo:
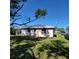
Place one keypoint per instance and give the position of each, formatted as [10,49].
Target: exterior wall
[37,33]
[32,32]
[18,32]
[51,33]
[24,32]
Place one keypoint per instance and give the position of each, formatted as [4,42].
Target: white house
[36,30]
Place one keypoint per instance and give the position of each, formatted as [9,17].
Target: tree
[67,29]
[16,6]
[67,33]
[12,31]
[60,29]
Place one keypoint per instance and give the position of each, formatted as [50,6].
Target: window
[34,30]
[28,30]
[43,31]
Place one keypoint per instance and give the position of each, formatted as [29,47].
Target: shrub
[12,31]
[56,47]
[67,36]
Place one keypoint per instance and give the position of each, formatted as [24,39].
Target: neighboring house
[36,30]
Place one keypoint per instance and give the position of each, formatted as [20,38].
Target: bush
[67,36]
[12,31]
[53,49]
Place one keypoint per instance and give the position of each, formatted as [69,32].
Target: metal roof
[36,26]
[41,26]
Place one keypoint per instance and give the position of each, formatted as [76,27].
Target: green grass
[45,48]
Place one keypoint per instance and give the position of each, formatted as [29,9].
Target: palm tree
[40,13]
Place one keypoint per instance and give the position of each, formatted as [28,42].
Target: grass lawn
[46,48]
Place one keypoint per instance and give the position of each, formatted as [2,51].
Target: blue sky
[57,12]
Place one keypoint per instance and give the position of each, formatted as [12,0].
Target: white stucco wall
[24,32]
[32,32]
[51,33]
[37,33]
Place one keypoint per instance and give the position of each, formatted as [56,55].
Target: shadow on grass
[21,52]
[59,49]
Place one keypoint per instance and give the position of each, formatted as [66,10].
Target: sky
[57,12]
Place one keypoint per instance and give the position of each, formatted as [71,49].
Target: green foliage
[55,47]
[48,48]
[59,36]
[23,38]
[44,55]
[60,29]
[67,29]
[12,31]
[16,6]
[19,46]
[40,12]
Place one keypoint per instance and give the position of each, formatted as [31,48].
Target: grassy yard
[39,48]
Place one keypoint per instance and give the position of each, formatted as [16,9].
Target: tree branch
[19,9]
[14,21]
[25,23]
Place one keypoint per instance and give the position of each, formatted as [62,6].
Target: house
[36,30]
